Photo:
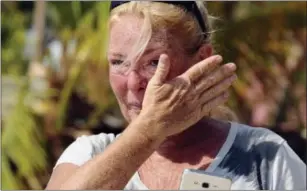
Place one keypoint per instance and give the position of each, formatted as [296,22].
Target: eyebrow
[115,54]
[150,50]
[147,51]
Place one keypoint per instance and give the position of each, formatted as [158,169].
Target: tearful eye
[116,62]
[154,63]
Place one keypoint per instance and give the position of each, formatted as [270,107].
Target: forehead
[126,31]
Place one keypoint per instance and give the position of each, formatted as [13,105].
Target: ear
[205,51]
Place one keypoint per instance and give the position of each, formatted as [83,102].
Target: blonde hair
[175,21]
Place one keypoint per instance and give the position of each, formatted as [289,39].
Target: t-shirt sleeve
[288,171]
[77,153]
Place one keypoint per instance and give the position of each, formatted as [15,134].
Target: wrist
[150,127]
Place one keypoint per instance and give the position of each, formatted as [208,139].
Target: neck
[204,135]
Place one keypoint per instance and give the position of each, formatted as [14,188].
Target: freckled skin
[131,87]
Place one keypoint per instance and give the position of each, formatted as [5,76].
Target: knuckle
[189,85]
[199,71]
[211,80]
[203,97]
[204,108]
[212,92]
[224,96]
[199,67]
[209,104]
[211,65]
[192,76]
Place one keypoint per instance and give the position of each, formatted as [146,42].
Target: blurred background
[55,77]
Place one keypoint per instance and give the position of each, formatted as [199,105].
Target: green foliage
[67,14]
[9,181]
[91,51]
[22,144]
[12,40]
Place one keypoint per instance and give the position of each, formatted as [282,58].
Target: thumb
[162,70]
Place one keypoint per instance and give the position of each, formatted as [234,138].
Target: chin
[132,114]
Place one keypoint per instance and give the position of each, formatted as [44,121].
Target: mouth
[135,106]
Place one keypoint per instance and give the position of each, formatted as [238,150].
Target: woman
[167,83]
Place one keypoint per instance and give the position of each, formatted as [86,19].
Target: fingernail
[218,58]
[232,67]
[163,58]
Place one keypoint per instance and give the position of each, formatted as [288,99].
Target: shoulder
[84,148]
[258,138]
[253,144]
[289,170]
[257,143]
[97,143]
[264,158]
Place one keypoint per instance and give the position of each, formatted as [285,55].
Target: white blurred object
[113,121]
[10,89]
[55,48]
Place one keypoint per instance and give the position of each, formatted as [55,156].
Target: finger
[220,74]
[217,90]
[213,103]
[203,68]
[162,70]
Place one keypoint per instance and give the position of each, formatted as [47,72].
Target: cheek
[178,67]
[119,85]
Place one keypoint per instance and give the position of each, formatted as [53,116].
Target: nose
[136,82]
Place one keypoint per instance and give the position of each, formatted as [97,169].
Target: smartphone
[201,180]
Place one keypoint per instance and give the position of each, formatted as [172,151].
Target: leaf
[19,141]
[9,180]
[76,9]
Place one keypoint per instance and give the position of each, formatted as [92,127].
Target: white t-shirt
[253,158]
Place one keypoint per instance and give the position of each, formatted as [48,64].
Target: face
[129,76]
